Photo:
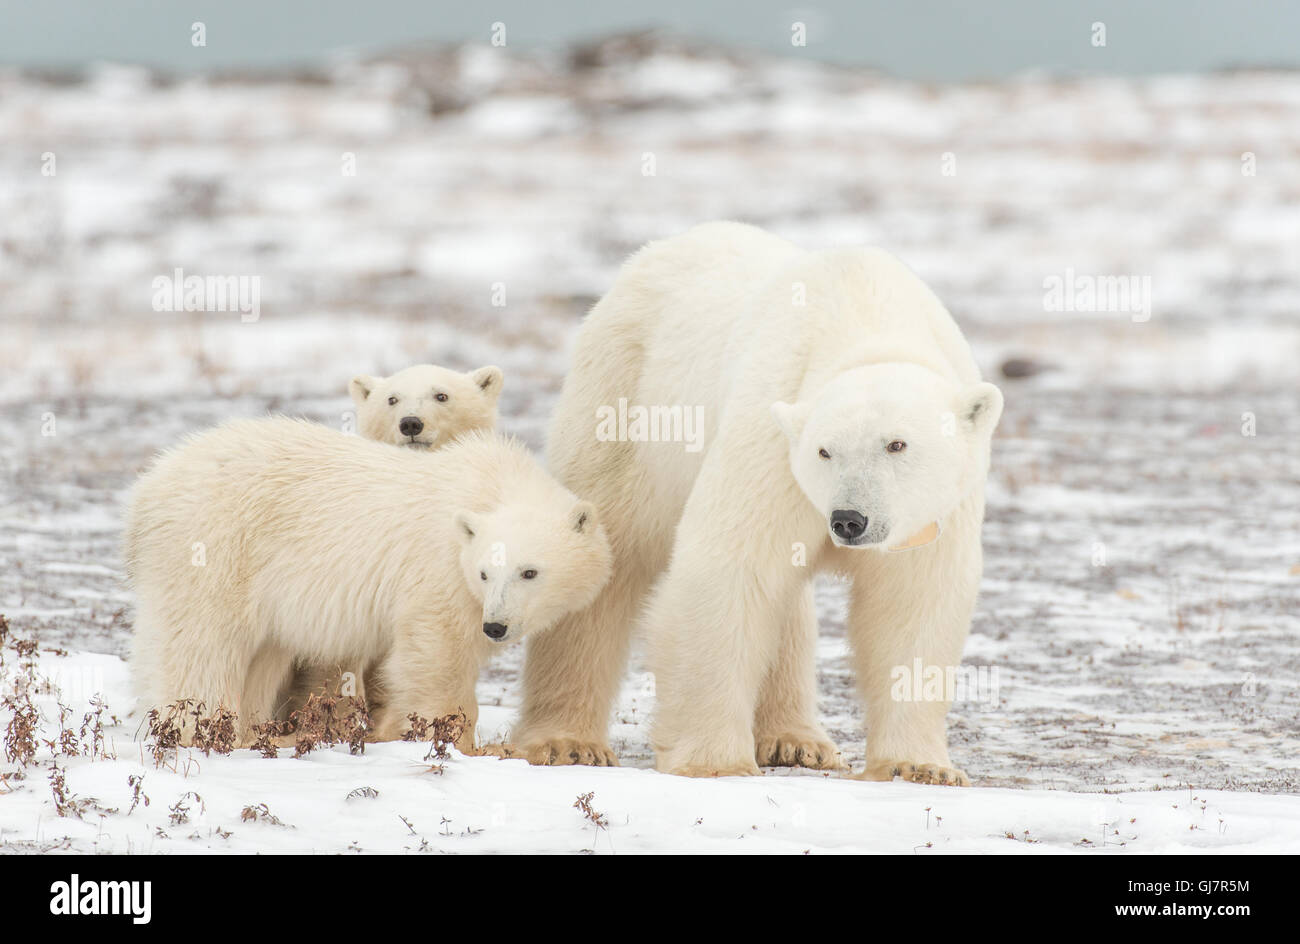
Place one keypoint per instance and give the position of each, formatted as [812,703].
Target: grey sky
[926,39]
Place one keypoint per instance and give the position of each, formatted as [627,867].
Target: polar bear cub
[265,542]
[425,406]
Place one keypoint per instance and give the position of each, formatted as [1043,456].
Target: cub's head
[531,564]
[424,407]
[888,449]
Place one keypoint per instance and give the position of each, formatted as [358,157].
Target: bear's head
[886,450]
[532,563]
[424,407]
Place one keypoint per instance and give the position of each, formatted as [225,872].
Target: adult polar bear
[844,416]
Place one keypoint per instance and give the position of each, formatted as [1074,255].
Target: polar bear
[266,541]
[846,428]
[425,406]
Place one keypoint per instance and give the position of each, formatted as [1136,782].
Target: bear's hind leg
[205,678]
[269,674]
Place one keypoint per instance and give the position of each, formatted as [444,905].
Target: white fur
[706,544]
[470,403]
[329,549]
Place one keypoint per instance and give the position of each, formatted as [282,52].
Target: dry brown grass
[441,733]
[20,732]
[325,720]
[583,805]
[216,732]
[267,736]
[261,814]
[165,730]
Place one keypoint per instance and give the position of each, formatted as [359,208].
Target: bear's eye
[392,401]
[896,446]
[823,453]
[441,397]
[482,575]
[529,574]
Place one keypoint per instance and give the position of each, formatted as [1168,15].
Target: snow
[391,799]
[1142,593]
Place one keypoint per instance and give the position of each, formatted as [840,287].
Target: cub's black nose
[495,630]
[847,525]
[410,426]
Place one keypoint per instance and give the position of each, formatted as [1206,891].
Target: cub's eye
[441,397]
[896,446]
[823,453]
[392,401]
[529,574]
[482,575]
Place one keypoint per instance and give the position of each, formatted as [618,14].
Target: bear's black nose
[494,630]
[410,426]
[847,525]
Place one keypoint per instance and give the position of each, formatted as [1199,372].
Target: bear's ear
[467,525]
[360,387]
[790,417]
[981,407]
[487,379]
[582,517]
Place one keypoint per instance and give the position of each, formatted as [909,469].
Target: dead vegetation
[66,803]
[19,668]
[138,796]
[165,730]
[583,805]
[216,732]
[325,720]
[179,812]
[261,814]
[20,732]
[441,733]
[267,737]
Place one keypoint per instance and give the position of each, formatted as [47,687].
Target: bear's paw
[810,749]
[915,773]
[562,752]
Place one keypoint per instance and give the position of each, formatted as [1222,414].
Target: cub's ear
[467,525]
[487,379]
[981,407]
[360,387]
[582,517]
[790,417]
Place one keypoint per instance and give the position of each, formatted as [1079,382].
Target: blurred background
[415,182]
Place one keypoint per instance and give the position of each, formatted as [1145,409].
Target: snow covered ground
[1142,593]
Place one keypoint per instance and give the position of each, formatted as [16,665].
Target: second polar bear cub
[425,406]
[321,547]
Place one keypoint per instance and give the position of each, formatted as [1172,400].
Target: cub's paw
[499,750]
[915,773]
[808,749]
[561,752]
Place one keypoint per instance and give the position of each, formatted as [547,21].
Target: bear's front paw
[798,749]
[915,773]
[560,752]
